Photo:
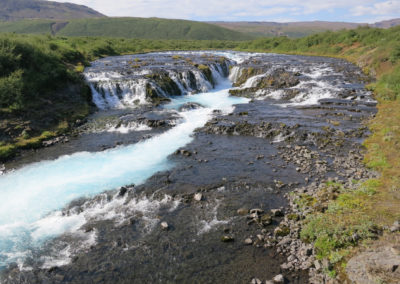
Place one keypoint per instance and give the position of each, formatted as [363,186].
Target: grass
[292,30]
[139,28]
[7,151]
[343,225]
[27,27]
[34,142]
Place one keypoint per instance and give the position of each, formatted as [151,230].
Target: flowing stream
[36,191]
[35,196]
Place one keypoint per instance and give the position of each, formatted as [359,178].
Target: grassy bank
[41,86]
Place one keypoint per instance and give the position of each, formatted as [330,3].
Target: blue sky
[359,11]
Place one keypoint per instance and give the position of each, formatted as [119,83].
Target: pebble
[255,281]
[396,249]
[242,211]
[395,227]
[277,212]
[279,279]
[164,226]
[198,197]
[248,241]
[256,211]
[227,239]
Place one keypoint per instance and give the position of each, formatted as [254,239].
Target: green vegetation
[143,28]
[151,28]
[292,30]
[343,224]
[27,27]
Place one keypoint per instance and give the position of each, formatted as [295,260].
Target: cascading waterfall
[37,193]
[127,88]
[235,73]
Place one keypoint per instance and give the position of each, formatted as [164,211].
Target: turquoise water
[33,192]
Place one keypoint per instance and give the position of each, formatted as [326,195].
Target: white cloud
[244,10]
[381,8]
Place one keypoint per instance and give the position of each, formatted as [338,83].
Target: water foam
[36,192]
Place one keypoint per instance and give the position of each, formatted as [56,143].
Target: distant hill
[387,24]
[296,29]
[144,28]
[14,10]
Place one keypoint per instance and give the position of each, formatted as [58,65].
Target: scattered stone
[266,220]
[277,212]
[279,279]
[396,249]
[395,227]
[122,191]
[282,231]
[198,197]
[378,265]
[242,211]
[255,281]
[164,226]
[256,211]
[248,241]
[227,239]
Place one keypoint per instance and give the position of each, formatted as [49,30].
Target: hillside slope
[12,10]
[144,28]
[297,29]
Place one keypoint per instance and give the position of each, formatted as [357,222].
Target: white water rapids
[37,190]
[33,196]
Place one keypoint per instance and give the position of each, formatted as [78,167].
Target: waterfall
[124,88]
[235,73]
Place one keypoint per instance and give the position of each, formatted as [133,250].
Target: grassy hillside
[145,28]
[12,10]
[292,30]
[297,29]
[149,28]
[28,27]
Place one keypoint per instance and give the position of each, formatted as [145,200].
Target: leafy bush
[11,89]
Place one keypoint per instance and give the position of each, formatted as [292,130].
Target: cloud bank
[249,10]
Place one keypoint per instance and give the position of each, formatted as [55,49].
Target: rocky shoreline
[241,191]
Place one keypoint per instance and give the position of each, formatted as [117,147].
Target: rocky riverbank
[236,205]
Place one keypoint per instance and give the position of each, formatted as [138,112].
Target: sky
[359,11]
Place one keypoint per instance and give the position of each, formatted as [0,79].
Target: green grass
[291,30]
[7,151]
[143,28]
[343,225]
[27,27]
